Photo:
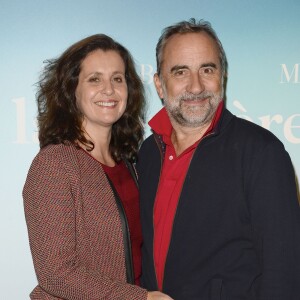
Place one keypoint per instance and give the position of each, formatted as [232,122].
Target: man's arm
[275,217]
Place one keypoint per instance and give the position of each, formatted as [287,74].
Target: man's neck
[184,137]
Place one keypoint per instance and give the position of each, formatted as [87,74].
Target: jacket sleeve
[50,216]
[275,217]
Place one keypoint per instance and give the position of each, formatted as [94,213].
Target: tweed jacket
[74,227]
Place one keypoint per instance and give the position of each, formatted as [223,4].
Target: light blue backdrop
[261,39]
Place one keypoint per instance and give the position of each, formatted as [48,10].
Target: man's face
[191,81]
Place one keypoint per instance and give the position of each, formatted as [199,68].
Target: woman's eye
[118,79]
[94,79]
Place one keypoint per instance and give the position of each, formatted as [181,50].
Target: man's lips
[194,100]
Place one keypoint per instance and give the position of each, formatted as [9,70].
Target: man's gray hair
[191,26]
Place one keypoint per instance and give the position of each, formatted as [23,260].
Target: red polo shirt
[173,173]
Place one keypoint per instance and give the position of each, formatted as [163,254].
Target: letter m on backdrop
[289,76]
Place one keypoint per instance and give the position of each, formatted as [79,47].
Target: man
[219,207]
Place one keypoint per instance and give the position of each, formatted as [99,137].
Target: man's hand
[158,296]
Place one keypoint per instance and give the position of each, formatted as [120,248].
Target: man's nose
[196,85]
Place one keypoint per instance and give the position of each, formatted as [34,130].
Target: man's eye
[207,71]
[179,73]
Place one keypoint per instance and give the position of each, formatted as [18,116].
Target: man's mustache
[195,97]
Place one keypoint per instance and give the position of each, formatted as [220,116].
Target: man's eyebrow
[213,65]
[205,65]
[178,67]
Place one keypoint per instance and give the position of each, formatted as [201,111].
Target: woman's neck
[101,140]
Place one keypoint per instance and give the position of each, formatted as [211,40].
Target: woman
[80,196]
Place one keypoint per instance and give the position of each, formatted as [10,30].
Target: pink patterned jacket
[74,229]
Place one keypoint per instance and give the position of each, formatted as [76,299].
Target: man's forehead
[190,49]
[183,39]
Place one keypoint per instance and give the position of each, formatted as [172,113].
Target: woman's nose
[107,87]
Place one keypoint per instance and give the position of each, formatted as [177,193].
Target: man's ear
[158,85]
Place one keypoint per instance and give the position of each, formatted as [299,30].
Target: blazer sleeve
[275,217]
[50,216]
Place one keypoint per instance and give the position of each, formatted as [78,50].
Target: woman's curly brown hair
[59,119]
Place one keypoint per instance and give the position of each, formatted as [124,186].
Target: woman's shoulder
[55,154]
[57,150]
[56,161]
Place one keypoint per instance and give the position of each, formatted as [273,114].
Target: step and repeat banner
[261,39]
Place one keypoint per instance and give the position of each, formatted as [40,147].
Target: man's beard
[197,115]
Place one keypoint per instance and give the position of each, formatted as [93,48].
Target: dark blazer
[75,229]
[236,232]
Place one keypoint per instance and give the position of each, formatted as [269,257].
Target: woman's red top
[128,192]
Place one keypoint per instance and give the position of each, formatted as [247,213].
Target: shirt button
[171,157]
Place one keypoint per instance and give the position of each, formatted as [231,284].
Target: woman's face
[101,93]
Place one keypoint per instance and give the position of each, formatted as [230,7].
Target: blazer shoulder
[53,158]
[250,131]
[57,152]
